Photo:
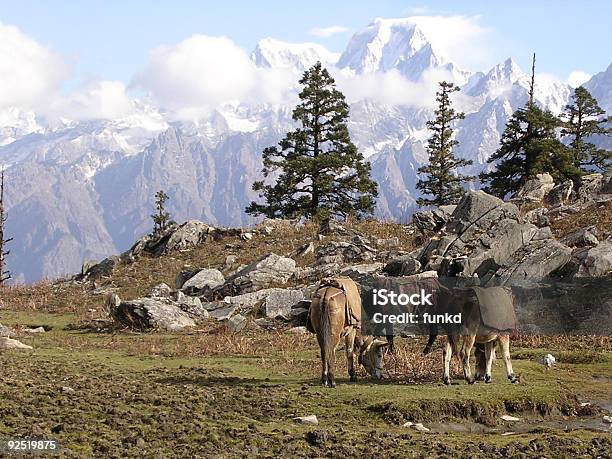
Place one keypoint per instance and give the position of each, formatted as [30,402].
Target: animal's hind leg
[466,349]
[504,342]
[324,380]
[350,354]
[489,355]
[331,361]
[447,353]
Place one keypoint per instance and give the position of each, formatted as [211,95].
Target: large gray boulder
[203,279]
[478,210]
[536,189]
[150,313]
[6,332]
[279,302]
[103,269]
[189,234]
[598,261]
[268,270]
[534,261]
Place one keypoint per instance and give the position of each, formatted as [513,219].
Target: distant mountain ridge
[84,190]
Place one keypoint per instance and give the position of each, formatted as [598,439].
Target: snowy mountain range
[83,190]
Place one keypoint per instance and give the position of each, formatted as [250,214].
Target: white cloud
[392,88]
[30,73]
[328,31]
[202,72]
[577,78]
[96,100]
[461,38]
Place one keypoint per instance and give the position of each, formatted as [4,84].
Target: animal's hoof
[514,379]
[332,384]
[488,379]
[353,379]
[471,381]
[446,381]
[480,378]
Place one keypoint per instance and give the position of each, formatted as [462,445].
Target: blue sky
[111,39]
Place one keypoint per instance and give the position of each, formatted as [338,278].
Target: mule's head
[371,353]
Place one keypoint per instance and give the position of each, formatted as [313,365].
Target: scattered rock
[305,249]
[299,330]
[9,343]
[548,360]
[6,332]
[310,420]
[230,261]
[66,389]
[402,266]
[279,302]
[34,330]
[538,217]
[507,417]
[161,291]
[246,236]
[204,279]
[580,238]
[358,272]
[267,270]
[340,251]
[390,243]
[598,261]
[237,323]
[433,220]
[560,194]
[420,427]
[607,419]
[189,234]
[151,313]
[102,269]
[537,188]
[223,313]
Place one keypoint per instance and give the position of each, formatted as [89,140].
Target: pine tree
[161,218]
[320,171]
[529,146]
[4,272]
[582,119]
[442,180]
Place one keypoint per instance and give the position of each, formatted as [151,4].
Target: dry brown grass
[598,216]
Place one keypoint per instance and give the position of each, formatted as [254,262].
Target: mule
[335,314]
[475,303]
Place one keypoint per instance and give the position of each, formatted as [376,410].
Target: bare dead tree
[4,272]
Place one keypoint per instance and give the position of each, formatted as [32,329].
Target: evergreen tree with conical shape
[161,218]
[582,119]
[320,171]
[442,181]
[4,272]
[529,146]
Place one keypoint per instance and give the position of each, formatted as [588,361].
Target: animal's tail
[327,345]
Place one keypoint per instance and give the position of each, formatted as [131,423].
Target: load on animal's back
[335,313]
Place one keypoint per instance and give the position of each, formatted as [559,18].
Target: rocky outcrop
[358,250]
[433,220]
[598,261]
[268,270]
[204,279]
[150,313]
[537,188]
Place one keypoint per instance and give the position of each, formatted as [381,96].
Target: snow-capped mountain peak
[396,44]
[271,53]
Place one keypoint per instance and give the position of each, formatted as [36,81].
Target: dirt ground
[215,394]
